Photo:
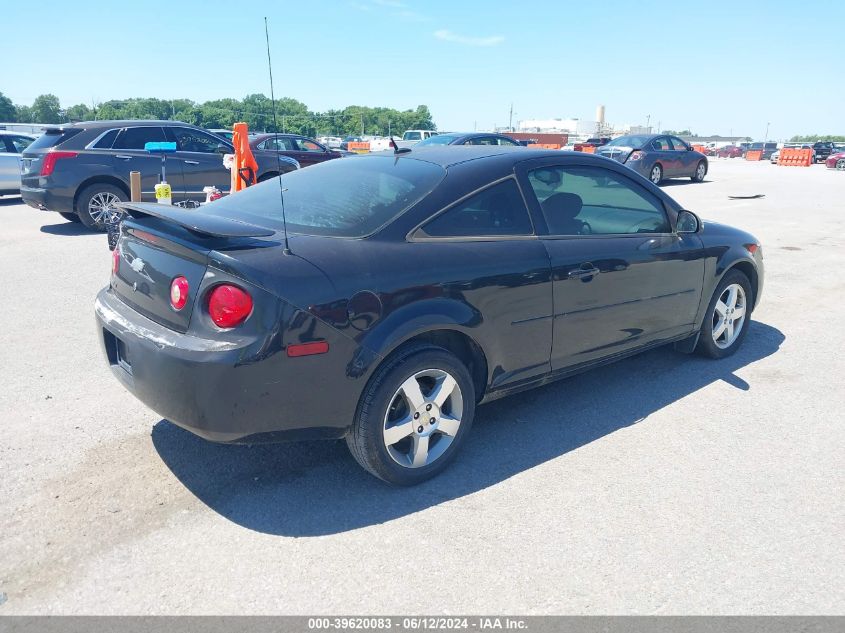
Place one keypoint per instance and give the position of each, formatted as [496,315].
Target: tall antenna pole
[276,128]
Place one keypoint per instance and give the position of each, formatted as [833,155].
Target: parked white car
[12,145]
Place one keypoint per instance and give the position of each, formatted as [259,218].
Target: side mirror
[223,149]
[687,222]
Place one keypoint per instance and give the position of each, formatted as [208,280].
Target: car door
[128,154]
[201,162]
[499,268]
[10,165]
[684,156]
[661,152]
[622,277]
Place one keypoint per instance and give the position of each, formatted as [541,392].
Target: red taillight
[50,159]
[179,293]
[229,306]
[115,261]
[636,156]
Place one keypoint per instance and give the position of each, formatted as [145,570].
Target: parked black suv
[823,150]
[81,170]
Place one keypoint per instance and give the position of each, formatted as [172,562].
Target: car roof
[93,125]
[449,155]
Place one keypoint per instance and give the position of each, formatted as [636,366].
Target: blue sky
[712,66]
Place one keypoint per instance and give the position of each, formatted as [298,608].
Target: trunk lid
[619,154]
[159,243]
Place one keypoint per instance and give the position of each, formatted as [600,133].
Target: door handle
[122,156]
[192,162]
[583,272]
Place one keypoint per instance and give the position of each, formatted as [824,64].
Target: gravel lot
[666,484]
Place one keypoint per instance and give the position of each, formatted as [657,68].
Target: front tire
[413,416]
[840,164]
[656,174]
[727,317]
[700,172]
[70,217]
[95,205]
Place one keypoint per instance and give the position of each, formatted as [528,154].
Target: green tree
[46,109]
[7,109]
[812,138]
[78,112]
[23,114]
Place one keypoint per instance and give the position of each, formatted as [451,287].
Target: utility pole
[658,127]
[510,119]
[648,122]
[766,138]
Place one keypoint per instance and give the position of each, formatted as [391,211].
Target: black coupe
[413,288]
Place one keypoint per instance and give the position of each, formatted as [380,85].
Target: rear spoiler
[195,220]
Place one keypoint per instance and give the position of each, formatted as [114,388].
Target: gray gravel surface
[665,484]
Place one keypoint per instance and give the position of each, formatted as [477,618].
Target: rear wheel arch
[108,180]
[267,176]
[463,346]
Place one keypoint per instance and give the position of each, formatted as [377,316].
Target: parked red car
[305,150]
[836,160]
[729,151]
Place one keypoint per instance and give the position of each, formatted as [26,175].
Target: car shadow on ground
[67,228]
[9,201]
[316,488]
[674,182]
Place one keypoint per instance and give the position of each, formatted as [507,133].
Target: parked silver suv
[12,144]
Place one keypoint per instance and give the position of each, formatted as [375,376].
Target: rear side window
[137,137]
[106,140]
[52,138]
[497,211]
[353,197]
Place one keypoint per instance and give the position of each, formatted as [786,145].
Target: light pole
[766,138]
[647,122]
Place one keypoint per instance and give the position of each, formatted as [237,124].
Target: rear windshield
[440,139]
[630,141]
[349,197]
[51,138]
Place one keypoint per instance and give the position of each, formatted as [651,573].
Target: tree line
[256,110]
[812,138]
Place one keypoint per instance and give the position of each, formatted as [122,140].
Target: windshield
[352,197]
[637,140]
[440,139]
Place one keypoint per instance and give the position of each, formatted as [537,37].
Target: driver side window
[595,201]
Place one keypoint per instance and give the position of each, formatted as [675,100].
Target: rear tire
[700,172]
[729,309]
[393,436]
[656,174]
[94,205]
[70,217]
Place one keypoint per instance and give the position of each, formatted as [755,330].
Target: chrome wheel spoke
[721,309]
[443,390]
[739,312]
[411,390]
[419,451]
[720,327]
[448,425]
[731,300]
[729,333]
[398,431]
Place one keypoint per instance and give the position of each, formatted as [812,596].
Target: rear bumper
[221,390]
[46,199]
